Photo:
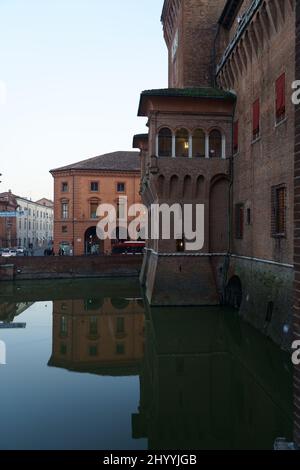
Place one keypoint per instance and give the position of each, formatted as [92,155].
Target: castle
[222,135]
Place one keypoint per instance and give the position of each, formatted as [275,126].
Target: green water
[89,366]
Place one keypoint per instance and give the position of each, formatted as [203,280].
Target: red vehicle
[128,248]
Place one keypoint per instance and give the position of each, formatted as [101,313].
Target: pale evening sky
[71,72]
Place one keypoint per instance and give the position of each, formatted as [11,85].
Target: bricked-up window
[239,221]
[236,137]
[280,98]
[64,187]
[256,119]
[278,219]
[65,210]
[94,186]
[93,210]
[165,142]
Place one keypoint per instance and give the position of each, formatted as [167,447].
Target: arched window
[182,143]
[199,143]
[215,144]
[165,142]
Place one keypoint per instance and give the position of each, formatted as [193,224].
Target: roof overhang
[188,100]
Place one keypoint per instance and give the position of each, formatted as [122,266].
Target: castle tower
[190,28]
[186,160]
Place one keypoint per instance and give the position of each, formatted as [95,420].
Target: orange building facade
[80,188]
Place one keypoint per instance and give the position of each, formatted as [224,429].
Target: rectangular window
[239,221]
[248,216]
[94,186]
[64,187]
[64,229]
[278,211]
[280,98]
[121,187]
[256,120]
[120,325]
[65,210]
[236,137]
[93,350]
[63,326]
[93,210]
[120,348]
[63,349]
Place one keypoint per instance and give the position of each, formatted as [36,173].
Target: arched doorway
[92,244]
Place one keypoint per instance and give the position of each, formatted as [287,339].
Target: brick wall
[27,268]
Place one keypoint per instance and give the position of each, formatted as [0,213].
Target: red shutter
[280,96]
[236,136]
[256,116]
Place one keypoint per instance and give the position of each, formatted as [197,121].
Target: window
[249,216]
[64,210]
[165,143]
[215,144]
[64,187]
[29,225]
[280,98]
[94,186]
[93,326]
[63,349]
[93,350]
[256,120]
[239,221]
[64,229]
[182,143]
[63,326]
[199,143]
[236,137]
[120,348]
[278,219]
[120,325]
[121,187]
[93,210]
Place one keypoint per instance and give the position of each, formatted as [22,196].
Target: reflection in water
[100,336]
[210,381]
[207,379]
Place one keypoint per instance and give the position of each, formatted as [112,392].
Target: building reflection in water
[102,335]
[208,380]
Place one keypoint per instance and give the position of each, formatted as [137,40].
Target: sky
[71,73]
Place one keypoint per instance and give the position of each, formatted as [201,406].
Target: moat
[90,366]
